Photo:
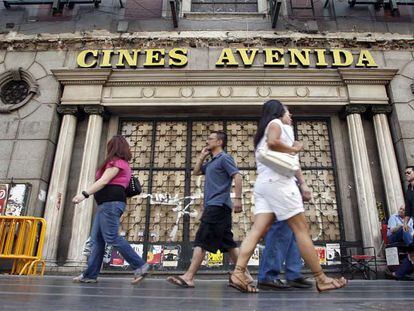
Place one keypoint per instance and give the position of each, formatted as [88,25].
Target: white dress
[273,192]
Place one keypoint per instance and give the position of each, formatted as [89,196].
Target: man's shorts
[214,232]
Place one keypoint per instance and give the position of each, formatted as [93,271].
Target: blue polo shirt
[219,173]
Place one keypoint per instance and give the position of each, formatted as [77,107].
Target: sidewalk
[59,293]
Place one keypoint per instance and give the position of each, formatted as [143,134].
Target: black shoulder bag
[134,188]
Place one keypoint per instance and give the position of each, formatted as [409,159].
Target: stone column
[82,217]
[58,183]
[368,213]
[390,175]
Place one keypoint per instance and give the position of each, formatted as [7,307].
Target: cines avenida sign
[270,57]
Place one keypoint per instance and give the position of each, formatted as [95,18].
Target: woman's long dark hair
[117,148]
[272,109]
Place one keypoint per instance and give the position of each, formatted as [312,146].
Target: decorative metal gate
[164,154]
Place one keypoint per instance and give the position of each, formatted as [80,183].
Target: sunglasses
[408,172]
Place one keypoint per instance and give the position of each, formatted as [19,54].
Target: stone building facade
[64,95]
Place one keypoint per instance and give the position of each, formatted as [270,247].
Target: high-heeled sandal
[335,283]
[242,284]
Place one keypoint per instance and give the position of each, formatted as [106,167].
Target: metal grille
[164,154]
[318,167]
[224,6]
[14,92]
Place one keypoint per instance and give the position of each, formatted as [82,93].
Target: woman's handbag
[283,163]
[134,188]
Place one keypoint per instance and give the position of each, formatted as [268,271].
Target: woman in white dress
[279,197]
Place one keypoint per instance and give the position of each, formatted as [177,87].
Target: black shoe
[272,285]
[389,274]
[300,283]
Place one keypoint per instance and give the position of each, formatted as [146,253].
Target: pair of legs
[280,247]
[198,256]
[299,226]
[213,234]
[401,236]
[105,230]
[406,267]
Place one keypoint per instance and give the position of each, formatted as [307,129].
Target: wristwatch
[85,194]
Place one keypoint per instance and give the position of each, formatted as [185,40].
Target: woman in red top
[112,178]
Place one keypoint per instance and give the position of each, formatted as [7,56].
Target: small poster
[117,260]
[154,254]
[333,254]
[16,201]
[321,252]
[391,254]
[171,256]
[213,259]
[138,248]
[254,259]
[4,192]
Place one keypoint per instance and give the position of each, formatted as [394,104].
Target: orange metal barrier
[22,239]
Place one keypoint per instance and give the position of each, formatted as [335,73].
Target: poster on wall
[154,254]
[333,254]
[213,259]
[118,261]
[255,258]
[321,252]
[171,255]
[16,201]
[4,193]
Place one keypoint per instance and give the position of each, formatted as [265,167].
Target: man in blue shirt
[395,232]
[214,232]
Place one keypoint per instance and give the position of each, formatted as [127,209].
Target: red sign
[4,192]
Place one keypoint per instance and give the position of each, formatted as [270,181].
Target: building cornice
[200,39]
[367,76]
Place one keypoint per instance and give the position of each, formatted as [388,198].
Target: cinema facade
[352,107]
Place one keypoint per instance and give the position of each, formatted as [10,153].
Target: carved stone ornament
[94,109]
[17,88]
[65,109]
[381,109]
[352,109]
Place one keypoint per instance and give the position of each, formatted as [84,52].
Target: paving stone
[6,148]
[51,59]
[16,60]
[28,159]
[9,123]
[38,124]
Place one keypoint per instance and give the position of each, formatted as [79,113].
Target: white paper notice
[391,254]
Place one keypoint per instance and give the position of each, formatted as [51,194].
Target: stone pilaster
[82,217]
[389,167]
[58,182]
[368,214]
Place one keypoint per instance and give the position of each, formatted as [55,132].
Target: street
[115,293]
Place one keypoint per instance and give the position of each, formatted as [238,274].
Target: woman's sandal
[242,284]
[335,283]
[249,278]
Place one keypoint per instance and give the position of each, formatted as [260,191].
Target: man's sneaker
[300,283]
[141,273]
[82,279]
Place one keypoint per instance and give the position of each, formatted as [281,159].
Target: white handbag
[283,163]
